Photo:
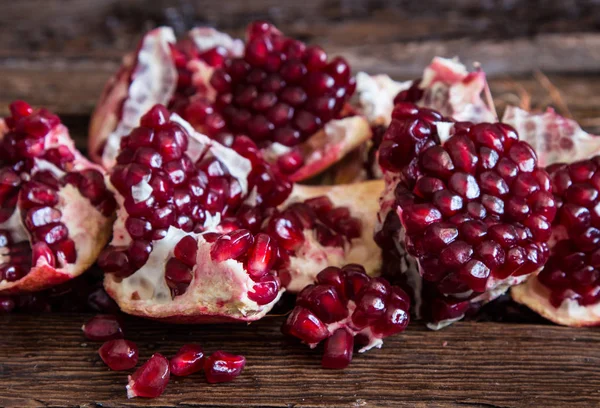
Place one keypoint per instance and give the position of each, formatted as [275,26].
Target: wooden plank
[115,24]
[45,361]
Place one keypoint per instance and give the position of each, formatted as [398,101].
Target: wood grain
[45,361]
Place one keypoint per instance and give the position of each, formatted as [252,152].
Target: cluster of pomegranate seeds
[573,270]
[342,304]
[188,360]
[102,328]
[281,90]
[222,367]
[119,354]
[36,192]
[151,379]
[476,208]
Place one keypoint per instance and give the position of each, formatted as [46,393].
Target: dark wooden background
[59,53]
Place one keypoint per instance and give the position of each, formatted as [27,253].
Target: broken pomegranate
[469,202]
[161,71]
[210,233]
[345,303]
[102,328]
[567,290]
[151,379]
[56,211]
[119,354]
[222,367]
[188,360]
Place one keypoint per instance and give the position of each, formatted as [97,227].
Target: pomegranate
[161,71]
[345,303]
[151,379]
[188,360]
[222,367]
[119,354]
[56,211]
[208,233]
[567,290]
[468,201]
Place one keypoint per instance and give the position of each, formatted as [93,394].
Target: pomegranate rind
[311,258]
[555,138]
[536,296]
[88,228]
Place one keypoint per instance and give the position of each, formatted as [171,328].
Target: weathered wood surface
[45,361]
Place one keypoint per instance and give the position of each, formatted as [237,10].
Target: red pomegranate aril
[265,290]
[321,204]
[42,250]
[185,250]
[155,117]
[261,256]
[7,304]
[178,276]
[232,245]
[114,261]
[51,233]
[287,233]
[40,216]
[290,162]
[188,360]
[338,350]
[37,194]
[102,328]
[287,136]
[138,252]
[119,354]
[222,367]
[151,379]
[325,301]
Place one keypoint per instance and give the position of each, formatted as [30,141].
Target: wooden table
[59,54]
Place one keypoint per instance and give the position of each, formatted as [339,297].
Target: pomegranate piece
[475,209]
[102,328]
[345,303]
[225,230]
[56,211]
[119,354]
[151,379]
[161,71]
[567,290]
[222,367]
[188,360]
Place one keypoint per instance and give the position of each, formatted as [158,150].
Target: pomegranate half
[56,212]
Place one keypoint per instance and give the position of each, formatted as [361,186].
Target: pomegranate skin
[466,196]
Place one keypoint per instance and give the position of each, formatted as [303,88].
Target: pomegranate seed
[157,116]
[42,250]
[265,290]
[338,350]
[232,245]
[102,328]
[261,256]
[151,379]
[185,250]
[119,354]
[223,367]
[188,360]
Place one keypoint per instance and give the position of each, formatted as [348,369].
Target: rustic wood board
[45,361]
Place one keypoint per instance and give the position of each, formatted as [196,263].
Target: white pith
[376,96]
